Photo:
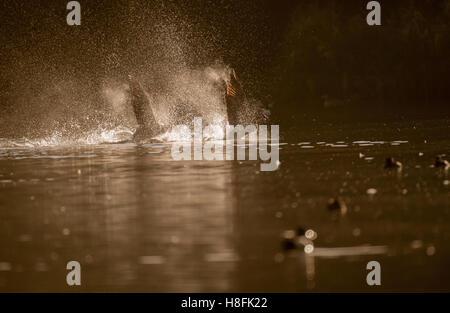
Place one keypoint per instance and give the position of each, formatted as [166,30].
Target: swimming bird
[337,204]
[298,238]
[290,238]
[440,162]
[391,163]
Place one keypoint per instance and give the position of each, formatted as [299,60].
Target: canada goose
[337,204]
[148,126]
[392,163]
[298,238]
[234,98]
[440,162]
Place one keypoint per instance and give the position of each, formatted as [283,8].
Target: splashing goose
[148,126]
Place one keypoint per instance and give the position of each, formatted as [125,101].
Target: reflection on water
[138,221]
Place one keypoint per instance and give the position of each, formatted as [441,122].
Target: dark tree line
[330,51]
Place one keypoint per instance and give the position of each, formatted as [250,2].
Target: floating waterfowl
[440,162]
[391,163]
[299,238]
[288,244]
[337,204]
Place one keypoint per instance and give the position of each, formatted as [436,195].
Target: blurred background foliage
[330,51]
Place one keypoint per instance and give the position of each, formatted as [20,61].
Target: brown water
[138,221]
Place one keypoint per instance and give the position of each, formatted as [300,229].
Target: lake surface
[137,220]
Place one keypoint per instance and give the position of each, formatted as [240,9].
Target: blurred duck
[298,238]
[337,204]
[392,163]
[440,162]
